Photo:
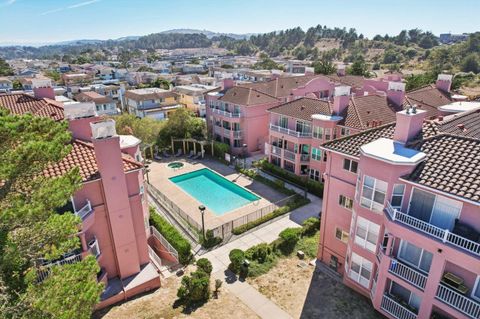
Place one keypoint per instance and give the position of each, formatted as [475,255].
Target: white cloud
[73,6]
[7,3]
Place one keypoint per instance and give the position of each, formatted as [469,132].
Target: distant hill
[210,34]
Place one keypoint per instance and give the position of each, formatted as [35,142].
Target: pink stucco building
[403,228]
[111,201]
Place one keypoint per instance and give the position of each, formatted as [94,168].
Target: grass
[309,245]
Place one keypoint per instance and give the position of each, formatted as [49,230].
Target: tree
[471,63]
[266,63]
[359,67]
[194,288]
[146,129]
[5,68]
[17,85]
[205,265]
[324,66]
[31,229]
[181,124]
[237,257]
[54,75]
[161,83]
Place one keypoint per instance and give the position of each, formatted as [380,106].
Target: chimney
[341,70]
[130,253]
[341,98]
[396,93]
[228,83]
[42,88]
[409,124]
[444,82]
[79,116]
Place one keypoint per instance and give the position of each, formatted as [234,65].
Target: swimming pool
[214,191]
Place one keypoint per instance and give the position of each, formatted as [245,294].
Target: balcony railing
[442,234]
[458,301]
[408,274]
[155,233]
[93,248]
[290,132]
[304,158]
[289,155]
[237,134]
[84,211]
[47,268]
[157,261]
[225,113]
[395,309]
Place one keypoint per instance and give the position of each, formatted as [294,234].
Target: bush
[194,288]
[309,245]
[258,252]
[237,257]
[296,202]
[289,238]
[313,187]
[278,185]
[204,265]
[210,241]
[219,149]
[173,236]
[310,226]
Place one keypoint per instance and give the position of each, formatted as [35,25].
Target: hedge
[313,187]
[173,236]
[296,202]
[277,185]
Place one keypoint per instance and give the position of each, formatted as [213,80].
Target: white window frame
[398,195]
[350,165]
[343,203]
[475,287]
[328,134]
[371,203]
[417,266]
[317,156]
[363,263]
[313,172]
[364,242]
[344,236]
[317,132]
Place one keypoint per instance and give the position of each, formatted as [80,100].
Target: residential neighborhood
[317,171]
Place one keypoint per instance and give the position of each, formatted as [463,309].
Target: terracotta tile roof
[303,108]
[429,95]
[93,97]
[83,157]
[148,94]
[246,96]
[355,81]
[23,103]
[282,86]
[363,112]
[452,165]
[463,124]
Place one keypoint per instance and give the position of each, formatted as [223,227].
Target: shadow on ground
[329,298]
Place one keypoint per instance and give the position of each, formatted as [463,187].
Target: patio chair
[157,157]
[192,154]
[199,154]
[165,154]
[179,153]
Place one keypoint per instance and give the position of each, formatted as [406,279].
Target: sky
[45,21]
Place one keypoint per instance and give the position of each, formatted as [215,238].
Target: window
[360,270]
[316,154]
[405,295]
[303,127]
[357,186]
[366,234]
[397,195]
[350,165]
[318,132]
[415,256]
[345,131]
[327,134]
[283,122]
[373,193]
[314,175]
[341,235]
[345,202]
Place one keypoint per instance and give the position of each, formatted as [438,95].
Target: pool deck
[159,178]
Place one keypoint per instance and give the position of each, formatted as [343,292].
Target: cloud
[73,6]
[7,3]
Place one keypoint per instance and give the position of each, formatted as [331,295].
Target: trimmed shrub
[237,258]
[289,238]
[172,235]
[258,252]
[310,226]
[210,241]
[278,185]
[194,288]
[204,265]
[219,149]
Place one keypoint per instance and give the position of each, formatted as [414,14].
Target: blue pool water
[214,191]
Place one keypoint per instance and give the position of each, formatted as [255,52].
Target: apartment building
[111,201]
[104,105]
[193,97]
[5,85]
[151,102]
[402,228]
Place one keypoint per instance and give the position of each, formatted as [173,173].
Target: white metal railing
[458,301]
[84,211]
[225,113]
[289,155]
[237,134]
[154,257]
[408,274]
[373,289]
[290,132]
[155,233]
[226,132]
[276,150]
[304,157]
[43,273]
[93,248]
[395,309]
[380,255]
[442,234]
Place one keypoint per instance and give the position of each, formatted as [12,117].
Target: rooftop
[394,152]
[22,103]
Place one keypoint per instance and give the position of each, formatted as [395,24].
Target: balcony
[237,134]
[458,301]
[395,309]
[289,155]
[46,268]
[93,248]
[408,274]
[304,157]
[290,132]
[225,113]
[441,234]
[84,211]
